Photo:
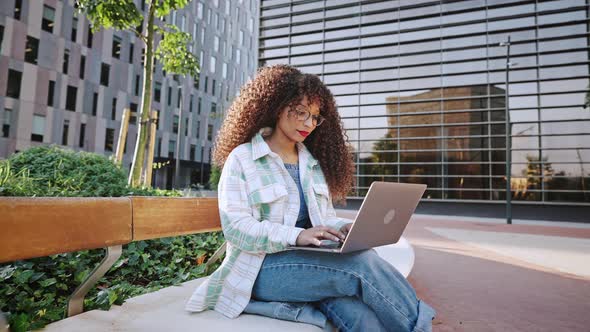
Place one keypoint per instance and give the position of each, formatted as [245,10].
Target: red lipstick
[303,133]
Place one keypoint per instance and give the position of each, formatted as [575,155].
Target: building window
[50,93]
[66,62]
[213,107]
[94,103]
[179,98]
[38,128]
[157,91]
[190,105]
[18,7]
[116,50]
[74,29]
[157,119]
[133,115]
[182,23]
[175,124]
[192,152]
[104,74]
[213,88]
[159,152]
[64,133]
[13,87]
[198,129]
[48,18]
[82,134]
[199,105]
[114,109]
[1,36]
[89,37]
[209,132]
[171,148]
[206,83]
[169,96]
[71,98]
[131,54]
[216,44]
[185,126]
[109,139]
[31,50]
[137,85]
[212,64]
[6,124]
[200,10]
[82,66]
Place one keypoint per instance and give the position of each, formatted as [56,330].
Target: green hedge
[34,292]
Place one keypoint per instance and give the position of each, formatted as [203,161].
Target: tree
[378,165]
[538,169]
[172,51]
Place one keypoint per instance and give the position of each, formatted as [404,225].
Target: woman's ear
[266,131]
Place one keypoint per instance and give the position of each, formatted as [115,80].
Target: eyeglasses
[302,114]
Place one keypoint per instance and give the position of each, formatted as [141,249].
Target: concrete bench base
[164,310]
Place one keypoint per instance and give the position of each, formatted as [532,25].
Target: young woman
[284,159]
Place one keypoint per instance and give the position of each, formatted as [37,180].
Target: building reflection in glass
[453,140]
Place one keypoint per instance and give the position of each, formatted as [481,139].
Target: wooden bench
[37,227]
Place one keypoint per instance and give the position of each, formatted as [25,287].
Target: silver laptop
[381,220]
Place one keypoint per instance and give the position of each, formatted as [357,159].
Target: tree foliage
[116,14]
[166,43]
[174,54]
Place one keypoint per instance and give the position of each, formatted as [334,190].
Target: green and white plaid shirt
[259,205]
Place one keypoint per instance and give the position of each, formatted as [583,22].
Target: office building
[63,84]
[421,89]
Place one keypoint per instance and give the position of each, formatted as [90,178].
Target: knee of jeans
[369,260]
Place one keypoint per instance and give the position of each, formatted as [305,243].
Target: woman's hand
[313,236]
[345,229]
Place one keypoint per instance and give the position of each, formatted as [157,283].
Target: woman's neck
[283,146]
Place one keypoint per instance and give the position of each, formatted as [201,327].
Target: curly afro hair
[258,106]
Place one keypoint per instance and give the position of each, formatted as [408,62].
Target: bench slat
[43,226]
[157,217]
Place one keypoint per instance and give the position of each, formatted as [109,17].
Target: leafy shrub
[214,177]
[56,172]
[35,292]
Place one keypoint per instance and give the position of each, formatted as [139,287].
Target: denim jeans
[292,311]
[358,291]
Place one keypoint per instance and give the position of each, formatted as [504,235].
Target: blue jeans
[358,291]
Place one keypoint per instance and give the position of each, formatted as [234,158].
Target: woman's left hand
[346,228]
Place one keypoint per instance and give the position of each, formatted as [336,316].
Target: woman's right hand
[313,236]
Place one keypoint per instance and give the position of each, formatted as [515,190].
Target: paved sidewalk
[484,275]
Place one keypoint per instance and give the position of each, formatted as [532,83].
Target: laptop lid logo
[389,217]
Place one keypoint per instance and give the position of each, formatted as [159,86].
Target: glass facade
[421,88]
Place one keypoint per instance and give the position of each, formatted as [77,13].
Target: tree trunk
[143,128]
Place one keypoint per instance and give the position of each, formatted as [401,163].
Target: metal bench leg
[216,256]
[4,327]
[76,302]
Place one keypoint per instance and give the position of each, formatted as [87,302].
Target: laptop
[381,219]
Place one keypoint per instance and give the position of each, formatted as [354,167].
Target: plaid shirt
[259,205]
